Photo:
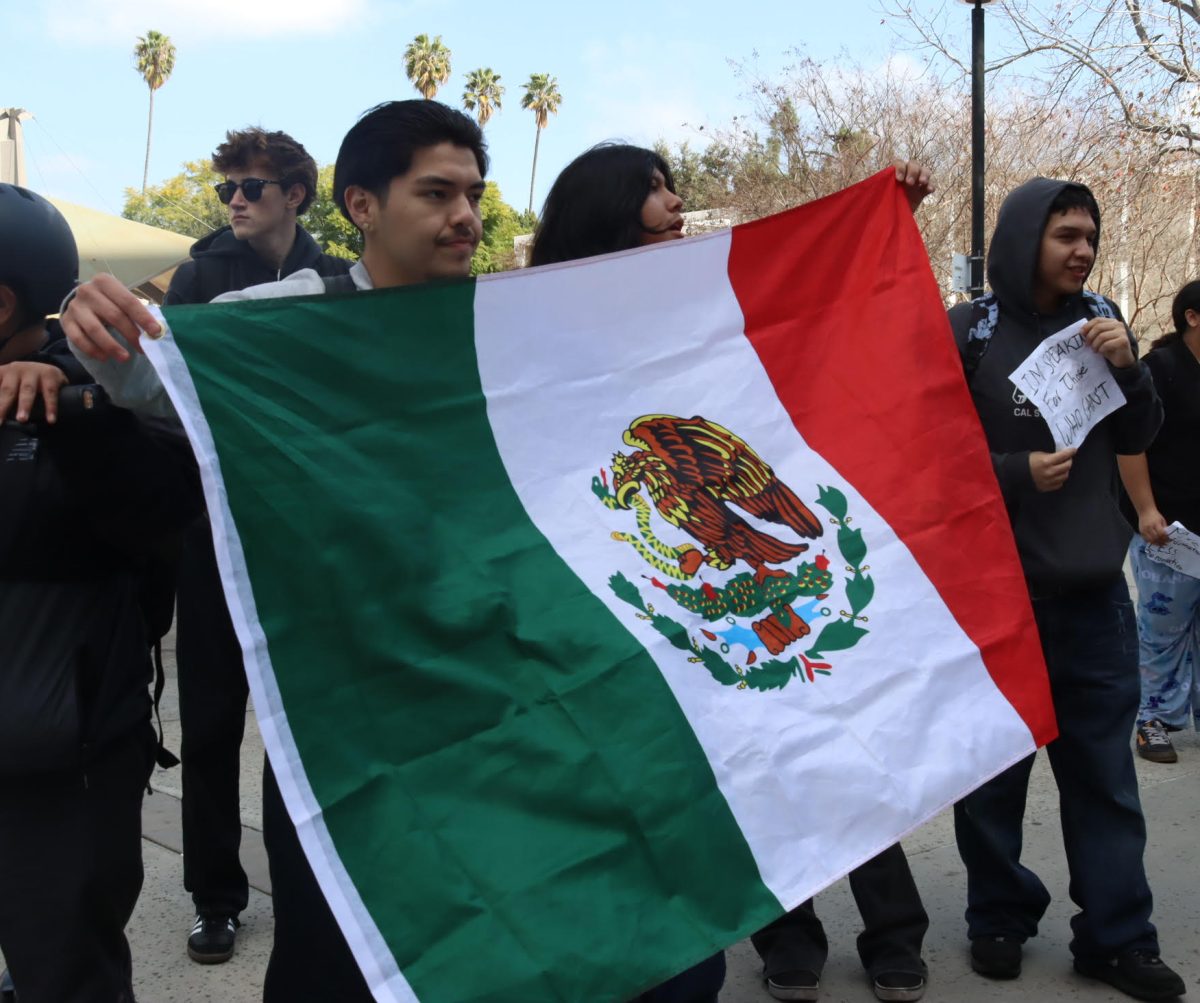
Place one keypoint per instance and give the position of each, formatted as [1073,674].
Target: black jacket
[1074,538]
[221,263]
[83,506]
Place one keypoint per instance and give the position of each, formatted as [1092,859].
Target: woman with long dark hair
[615,197]
[611,198]
[1163,485]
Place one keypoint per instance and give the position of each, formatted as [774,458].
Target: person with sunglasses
[270,180]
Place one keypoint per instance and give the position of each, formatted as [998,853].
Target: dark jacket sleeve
[1012,469]
[1135,425]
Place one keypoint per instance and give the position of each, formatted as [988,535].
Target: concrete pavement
[1170,796]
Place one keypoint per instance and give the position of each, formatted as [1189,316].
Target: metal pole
[977,149]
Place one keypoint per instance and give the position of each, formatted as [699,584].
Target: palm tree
[482,94]
[542,98]
[427,64]
[154,57]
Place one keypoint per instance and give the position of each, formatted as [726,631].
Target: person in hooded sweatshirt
[1071,537]
[270,180]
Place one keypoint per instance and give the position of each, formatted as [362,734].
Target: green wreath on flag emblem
[694,474]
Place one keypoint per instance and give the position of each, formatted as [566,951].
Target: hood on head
[1013,253]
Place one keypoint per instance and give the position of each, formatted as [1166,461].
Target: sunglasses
[252,188]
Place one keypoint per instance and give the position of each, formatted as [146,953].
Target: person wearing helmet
[76,740]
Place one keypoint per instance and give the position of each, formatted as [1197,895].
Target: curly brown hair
[288,158]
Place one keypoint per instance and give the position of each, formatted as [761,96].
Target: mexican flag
[597,614]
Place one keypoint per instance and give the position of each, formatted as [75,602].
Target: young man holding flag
[409,175]
[1072,540]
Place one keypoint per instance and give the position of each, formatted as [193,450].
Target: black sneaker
[996,957]
[899,986]
[7,993]
[798,985]
[211,939]
[1138,973]
[1153,743]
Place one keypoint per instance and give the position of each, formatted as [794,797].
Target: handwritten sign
[1181,551]
[1070,383]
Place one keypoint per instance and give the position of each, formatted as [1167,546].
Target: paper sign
[1070,383]
[1181,551]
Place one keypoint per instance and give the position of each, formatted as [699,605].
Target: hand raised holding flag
[917,181]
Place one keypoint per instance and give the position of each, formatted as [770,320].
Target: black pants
[699,984]
[70,874]
[1091,646]
[894,924]
[212,716]
[310,959]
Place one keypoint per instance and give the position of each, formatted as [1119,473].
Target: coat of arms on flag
[694,475]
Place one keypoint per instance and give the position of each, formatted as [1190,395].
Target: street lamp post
[977,153]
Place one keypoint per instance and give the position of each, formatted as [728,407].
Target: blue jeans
[1091,648]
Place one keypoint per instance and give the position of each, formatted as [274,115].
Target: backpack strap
[1097,305]
[162,755]
[985,312]
[339,283]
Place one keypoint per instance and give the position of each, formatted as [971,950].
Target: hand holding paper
[1108,336]
[1070,382]
[1181,551]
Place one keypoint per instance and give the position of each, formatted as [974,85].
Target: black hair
[1076,197]
[1188,298]
[381,144]
[595,204]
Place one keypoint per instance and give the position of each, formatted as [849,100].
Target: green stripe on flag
[505,774]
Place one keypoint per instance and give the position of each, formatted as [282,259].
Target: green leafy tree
[427,64]
[324,220]
[187,204]
[543,99]
[154,57]
[501,223]
[482,94]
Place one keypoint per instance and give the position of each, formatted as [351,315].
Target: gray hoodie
[1074,538]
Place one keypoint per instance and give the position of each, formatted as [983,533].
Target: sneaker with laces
[996,957]
[211,939]
[899,986]
[798,985]
[1138,973]
[1154,744]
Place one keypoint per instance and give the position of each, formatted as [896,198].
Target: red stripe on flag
[844,312]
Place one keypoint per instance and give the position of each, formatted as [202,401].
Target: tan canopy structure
[142,257]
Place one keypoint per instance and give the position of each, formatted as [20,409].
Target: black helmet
[38,256]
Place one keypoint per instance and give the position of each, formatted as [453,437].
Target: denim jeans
[1091,648]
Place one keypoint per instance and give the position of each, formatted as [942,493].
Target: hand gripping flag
[597,614]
